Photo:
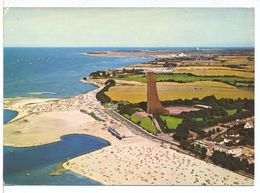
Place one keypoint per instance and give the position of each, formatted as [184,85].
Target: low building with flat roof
[234,150]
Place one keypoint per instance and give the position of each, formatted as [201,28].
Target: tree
[184,144]
[251,168]
[182,132]
[244,164]
[218,158]
[209,133]
[197,150]
[210,100]
[192,147]
[203,153]
[236,163]
[126,109]
[110,82]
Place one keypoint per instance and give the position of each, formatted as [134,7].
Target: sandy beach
[143,53]
[132,161]
[146,163]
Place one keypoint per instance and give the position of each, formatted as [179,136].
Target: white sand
[146,163]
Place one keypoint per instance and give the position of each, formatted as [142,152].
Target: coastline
[121,163]
[147,163]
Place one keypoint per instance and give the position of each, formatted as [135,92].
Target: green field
[146,122]
[231,111]
[171,122]
[184,77]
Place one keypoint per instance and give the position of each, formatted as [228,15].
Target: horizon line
[231,46]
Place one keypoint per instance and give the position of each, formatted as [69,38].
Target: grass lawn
[135,118]
[171,122]
[126,116]
[231,111]
[184,77]
[146,122]
[106,105]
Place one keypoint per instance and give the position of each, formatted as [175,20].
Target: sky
[128,27]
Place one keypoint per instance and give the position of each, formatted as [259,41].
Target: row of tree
[130,108]
[212,101]
[193,148]
[219,158]
[101,96]
[232,163]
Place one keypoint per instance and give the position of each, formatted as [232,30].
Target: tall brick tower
[153,103]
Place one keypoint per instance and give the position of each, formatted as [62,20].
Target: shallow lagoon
[9,115]
[31,165]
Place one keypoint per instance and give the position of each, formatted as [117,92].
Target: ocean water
[30,166]
[9,115]
[51,72]
[54,72]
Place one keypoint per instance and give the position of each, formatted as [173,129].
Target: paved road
[140,131]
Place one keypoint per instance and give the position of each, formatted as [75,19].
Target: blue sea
[55,72]
[51,72]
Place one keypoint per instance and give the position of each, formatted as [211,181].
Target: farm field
[215,71]
[184,77]
[173,91]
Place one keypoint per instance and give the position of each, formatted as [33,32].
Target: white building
[236,151]
[203,106]
[249,125]
[181,55]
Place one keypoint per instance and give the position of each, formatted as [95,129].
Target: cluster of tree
[100,73]
[243,106]
[133,71]
[130,108]
[194,148]
[189,124]
[162,124]
[169,64]
[247,135]
[232,163]
[217,114]
[101,96]
[172,80]
[213,131]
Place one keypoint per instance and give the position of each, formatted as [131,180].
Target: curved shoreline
[99,165]
[10,120]
[53,141]
[98,143]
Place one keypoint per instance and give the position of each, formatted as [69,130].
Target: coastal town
[129,97]
[231,136]
[143,148]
